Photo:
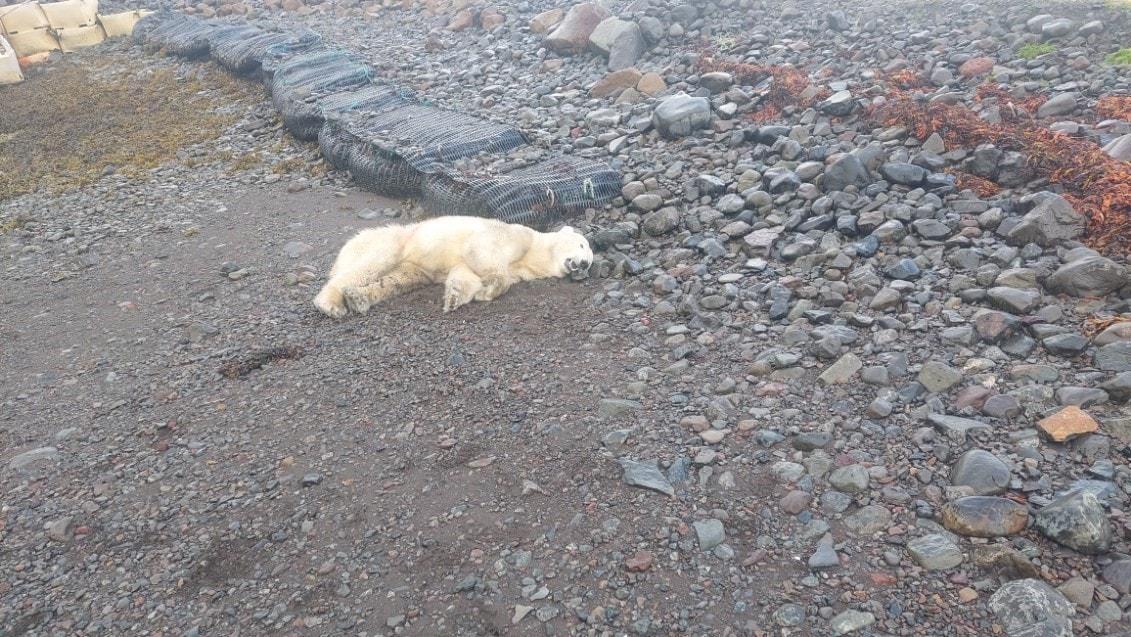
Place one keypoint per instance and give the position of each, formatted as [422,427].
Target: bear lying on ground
[475,258]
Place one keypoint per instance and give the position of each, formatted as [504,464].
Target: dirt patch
[86,115]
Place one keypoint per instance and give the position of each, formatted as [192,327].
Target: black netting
[241,51]
[536,196]
[144,26]
[275,55]
[181,35]
[304,119]
[300,83]
[390,143]
[391,152]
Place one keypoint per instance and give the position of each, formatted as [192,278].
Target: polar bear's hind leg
[401,279]
[362,260]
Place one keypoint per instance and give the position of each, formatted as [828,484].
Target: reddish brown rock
[1067,424]
[975,67]
[546,20]
[639,562]
[615,82]
[984,516]
[572,35]
[651,84]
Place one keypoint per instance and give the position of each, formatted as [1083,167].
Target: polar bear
[475,258]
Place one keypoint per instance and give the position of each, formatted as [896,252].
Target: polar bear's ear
[567,229]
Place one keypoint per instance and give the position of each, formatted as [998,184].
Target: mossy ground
[93,111]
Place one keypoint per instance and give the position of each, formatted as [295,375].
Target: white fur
[476,259]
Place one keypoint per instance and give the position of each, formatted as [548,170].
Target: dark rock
[1088,276]
[846,171]
[1051,221]
[982,471]
[1076,520]
[903,173]
[681,114]
[1032,608]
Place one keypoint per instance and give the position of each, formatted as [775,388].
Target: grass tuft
[1122,57]
[1031,51]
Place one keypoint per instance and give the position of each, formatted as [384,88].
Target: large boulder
[982,471]
[1076,520]
[627,48]
[846,170]
[572,35]
[1061,104]
[546,20]
[1088,276]
[680,114]
[1033,608]
[1051,221]
[606,32]
[1119,148]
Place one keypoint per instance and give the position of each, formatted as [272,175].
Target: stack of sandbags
[9,64]
[27,29]
[118,25]
[75,23]
[34,28]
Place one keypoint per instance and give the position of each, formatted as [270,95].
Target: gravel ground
[748,421]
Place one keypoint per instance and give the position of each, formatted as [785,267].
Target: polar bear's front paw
[357,299]
[329,302]
[454,298]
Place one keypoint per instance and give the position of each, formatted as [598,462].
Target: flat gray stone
[982,471]
[645,474]
[851,621]
[1114,357]
[679,115]
[935,552]
[850,479]
[1088,276]
[825,556]
[938,377]
[610,408]
[710,533]
[841,371]
[28,458]
[956,428]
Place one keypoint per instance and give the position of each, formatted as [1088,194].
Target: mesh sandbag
[391,152]
[226,37]
[537,196]
[305,119]
[144,26]
[299,83]
[244,55]
[276,54]
[181,35]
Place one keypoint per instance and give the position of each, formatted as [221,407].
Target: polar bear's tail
[365,258]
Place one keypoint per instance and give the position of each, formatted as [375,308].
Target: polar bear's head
[570,251]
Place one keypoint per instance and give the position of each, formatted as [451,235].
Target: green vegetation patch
[1030,51]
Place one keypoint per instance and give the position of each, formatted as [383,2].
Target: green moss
[1030,51]
[1122,57]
